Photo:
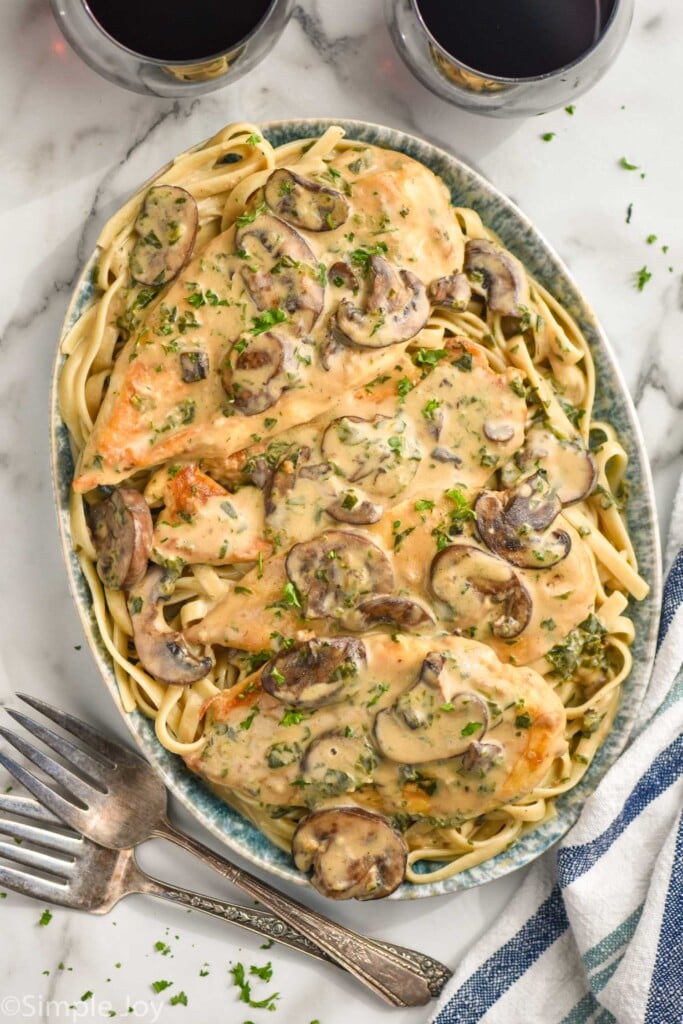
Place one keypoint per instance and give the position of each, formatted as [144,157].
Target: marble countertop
[73,146]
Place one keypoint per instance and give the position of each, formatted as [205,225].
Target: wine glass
[500,95]
[142,73]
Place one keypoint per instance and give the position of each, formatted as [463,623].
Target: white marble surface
[72,147]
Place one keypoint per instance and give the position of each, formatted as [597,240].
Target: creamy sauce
[150,414]
[287,758]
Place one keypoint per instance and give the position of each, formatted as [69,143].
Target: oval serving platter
[613,403]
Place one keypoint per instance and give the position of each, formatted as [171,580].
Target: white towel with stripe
[595,933]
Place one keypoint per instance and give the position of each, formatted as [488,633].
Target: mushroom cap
[352,853]
[429,722]
[122,532]
[336,570]
[400,612]
[514,524]
[502,276]
[162,651]
[453,292]
[396,308]
[381,454]
[271,242]
[254,374]
[166,227]
[569,466]
[305,203]
[481,590]
[313,673]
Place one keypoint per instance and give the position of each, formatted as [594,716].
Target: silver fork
[99,806]
[90,877]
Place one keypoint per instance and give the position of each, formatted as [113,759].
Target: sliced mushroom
[353,853]
[314,673]
[166,228]
[162,651]
[431,721]
[401,612]
[569,466]
[122,532]
[502,276]
[337,763]
[194,366]
[481,757]
[347,509]
[254,374]
[498,431]
[381,454]
[533,503]
[446,456]
[396,308]
[454,292]
[279,269]
[305,203]
[282,479]
[509,523]
[482,592]
[336,570]
[341,276]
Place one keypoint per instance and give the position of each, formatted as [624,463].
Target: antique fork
[101,779]
[90,877]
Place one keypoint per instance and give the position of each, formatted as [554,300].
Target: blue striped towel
[595,932]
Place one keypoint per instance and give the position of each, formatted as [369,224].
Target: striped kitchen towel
[595,933]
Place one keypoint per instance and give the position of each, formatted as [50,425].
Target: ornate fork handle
[264,923]
[400,976]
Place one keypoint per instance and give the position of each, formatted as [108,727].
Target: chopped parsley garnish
[246,722]
[623,162]
[424,505]
[253,140]
[293,717]
[523,721]
[570,110]
[583,649]
[380,690]
[548,136]
[265,973]
[641,277]
[180,998]
[159,986]
[629,213]
[263,323]
[470,728]
[651,239]
[239,977]
[250,216]
[162,947]
[430,408]
[361,256]
[403,387]
[45,918]
[428,357]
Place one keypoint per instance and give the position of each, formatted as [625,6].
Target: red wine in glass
[515,38]
[178,30]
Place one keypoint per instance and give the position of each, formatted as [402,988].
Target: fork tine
[35,859]
[64,776]
[83,760]
[65,810]
[27,808]
[31,885]
[39,836]
[112,752]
